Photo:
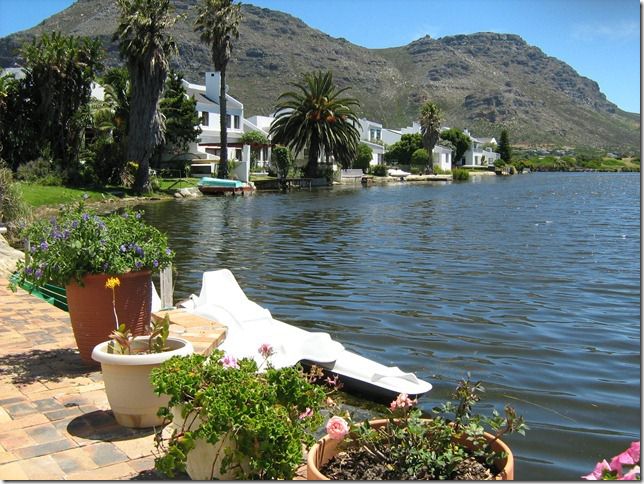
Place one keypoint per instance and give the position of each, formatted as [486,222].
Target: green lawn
[40,195]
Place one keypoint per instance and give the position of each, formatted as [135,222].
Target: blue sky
[600,39]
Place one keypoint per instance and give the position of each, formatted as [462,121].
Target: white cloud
[599,31]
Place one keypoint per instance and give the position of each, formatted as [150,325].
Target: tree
[58,84]
[315,115]
[504,148]
[218,23]
[256,140]
[180,112]
[281,160]
[459,140]
[401,151]
[146,47]
[430,124]
[16,128]
[364,157]
[420,157]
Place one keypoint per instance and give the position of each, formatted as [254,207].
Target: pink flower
[337,428]
[266,350]
[632,475]
[629,457]
[306,413]
[598,472]
[229,361]
[402,401]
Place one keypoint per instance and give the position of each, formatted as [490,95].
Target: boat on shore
[216,186]
[250,325]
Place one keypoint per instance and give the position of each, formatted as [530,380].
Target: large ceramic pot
[326,448]
[92,314]
[127,381]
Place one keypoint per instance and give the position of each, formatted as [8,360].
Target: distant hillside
[484,82]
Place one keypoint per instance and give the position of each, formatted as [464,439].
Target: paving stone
[63,413]
[105,453]
[136,448]
[44,449]
[24,422]
[109,473]
[41,434]
[14,439]
[7,457]
[74,460]
[42,468]
[13,472]
[48,404]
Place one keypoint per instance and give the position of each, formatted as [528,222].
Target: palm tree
[146,47]
[111,115]
[218,22]
[430,124]
[318,117]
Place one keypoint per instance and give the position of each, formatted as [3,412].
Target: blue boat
[209,185]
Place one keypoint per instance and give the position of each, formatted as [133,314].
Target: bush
[281,161]
[460,174]
[14,211]
[420,157]
[39,171]
[379,170]
[364,157]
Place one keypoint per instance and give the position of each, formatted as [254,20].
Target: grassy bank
[41,195]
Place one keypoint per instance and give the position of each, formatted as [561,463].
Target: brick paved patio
[55,421]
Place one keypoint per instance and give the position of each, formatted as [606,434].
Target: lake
[530,283]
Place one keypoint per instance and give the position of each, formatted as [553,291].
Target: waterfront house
[480,154]
[207,148]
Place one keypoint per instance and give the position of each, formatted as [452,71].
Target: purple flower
[138,215]
[75,224]
[28,270]
[105,267]
[44,245]
[85,217]
[38,273]
[168,252]
[126,215]
[138,264]
[155,263]
[123,248]
[229,361]
[138,250]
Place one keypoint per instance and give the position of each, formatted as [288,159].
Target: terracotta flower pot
[326,448]
[127,381]
[92,314]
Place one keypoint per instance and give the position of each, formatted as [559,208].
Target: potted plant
[126,362]
[407,446]
[80,250]
[234,420]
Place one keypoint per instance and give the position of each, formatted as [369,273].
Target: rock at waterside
[191,192]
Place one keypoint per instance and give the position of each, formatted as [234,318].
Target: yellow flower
[112,282]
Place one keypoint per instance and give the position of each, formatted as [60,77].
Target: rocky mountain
[484,82]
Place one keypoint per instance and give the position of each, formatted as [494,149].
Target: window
[204,118]
[238,153]
[232,120]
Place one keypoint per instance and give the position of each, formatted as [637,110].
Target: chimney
[213,83]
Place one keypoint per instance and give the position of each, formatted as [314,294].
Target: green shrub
[41,171]
[420,157]
[379,170]
[460,174]
[14,211]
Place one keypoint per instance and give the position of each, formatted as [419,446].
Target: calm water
[531,283]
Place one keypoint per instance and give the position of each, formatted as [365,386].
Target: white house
[208,145]
[480,154]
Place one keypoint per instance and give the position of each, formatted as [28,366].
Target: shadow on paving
[44,365]
[101,425]
[154,475]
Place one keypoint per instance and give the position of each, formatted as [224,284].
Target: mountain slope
[484,81]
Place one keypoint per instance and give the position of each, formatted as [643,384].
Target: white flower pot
[127,381]
[203,462]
